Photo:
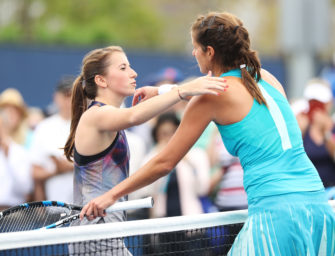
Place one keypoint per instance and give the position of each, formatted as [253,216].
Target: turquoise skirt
[291,224]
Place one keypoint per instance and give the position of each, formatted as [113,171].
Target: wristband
[165,88]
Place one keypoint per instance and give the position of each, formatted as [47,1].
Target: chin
[131,93]
[204,71]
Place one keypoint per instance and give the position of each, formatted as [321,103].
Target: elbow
[165,171]
[165,167]
[134,119]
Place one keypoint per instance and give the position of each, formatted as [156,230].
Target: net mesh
[205,234]
[204,241]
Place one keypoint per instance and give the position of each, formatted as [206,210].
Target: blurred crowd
[207,179]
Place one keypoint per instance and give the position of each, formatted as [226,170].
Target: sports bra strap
[93,103]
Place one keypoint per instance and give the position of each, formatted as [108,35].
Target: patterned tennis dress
[94,175]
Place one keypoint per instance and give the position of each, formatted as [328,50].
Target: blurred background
[41,40]
[42,44]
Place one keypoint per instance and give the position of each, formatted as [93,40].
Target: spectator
[14,116]
[318,129]
[15,171]
[52,173]
[227,179]
[35,116]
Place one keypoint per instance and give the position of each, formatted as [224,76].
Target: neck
[113,101]
[222,70]
[217,71]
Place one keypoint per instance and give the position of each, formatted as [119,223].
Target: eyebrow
[124,64]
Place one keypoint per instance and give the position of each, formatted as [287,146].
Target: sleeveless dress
[93,176]
[288,213]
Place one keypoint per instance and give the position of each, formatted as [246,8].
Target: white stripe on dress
[251,247]
[323,244]
[269,237]
[278,119]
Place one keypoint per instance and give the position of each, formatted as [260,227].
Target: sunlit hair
[85,88]
[230,41]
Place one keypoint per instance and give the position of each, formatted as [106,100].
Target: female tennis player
[288,211]
[97,142]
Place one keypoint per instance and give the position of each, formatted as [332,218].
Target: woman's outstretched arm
[197,116]
[115,119]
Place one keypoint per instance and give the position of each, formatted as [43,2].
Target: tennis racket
[52,214]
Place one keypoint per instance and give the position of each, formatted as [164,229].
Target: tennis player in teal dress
[288,210]
[287,203]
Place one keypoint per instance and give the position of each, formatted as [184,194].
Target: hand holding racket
[96,207]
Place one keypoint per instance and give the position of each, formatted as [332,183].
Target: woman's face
[200,56]
[120,77]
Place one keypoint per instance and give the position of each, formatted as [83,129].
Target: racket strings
[33,217]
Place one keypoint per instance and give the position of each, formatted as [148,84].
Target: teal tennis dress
[288,210]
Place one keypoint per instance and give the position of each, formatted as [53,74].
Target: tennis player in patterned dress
[97,142]
[288,210]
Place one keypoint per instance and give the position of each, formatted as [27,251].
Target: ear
[100,81]
[210,51]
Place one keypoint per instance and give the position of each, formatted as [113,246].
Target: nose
[133,73]
[193,52]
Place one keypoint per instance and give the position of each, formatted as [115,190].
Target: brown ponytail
[78,107]
[251,74]
[230,41]
[84,88]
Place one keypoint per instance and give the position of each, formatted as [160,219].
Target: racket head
[35,215]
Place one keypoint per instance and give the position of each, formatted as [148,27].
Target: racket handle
[147,202]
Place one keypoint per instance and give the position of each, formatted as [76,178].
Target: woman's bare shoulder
[272,80]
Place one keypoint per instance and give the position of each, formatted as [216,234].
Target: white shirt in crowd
[15,175]
[48,140]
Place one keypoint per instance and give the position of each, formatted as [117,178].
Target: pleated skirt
[300,223]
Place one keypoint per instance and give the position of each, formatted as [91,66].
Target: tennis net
[205,234]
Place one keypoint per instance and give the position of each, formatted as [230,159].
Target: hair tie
[82,81]
[202,23]
[211,21]
[242,66]
[235,29]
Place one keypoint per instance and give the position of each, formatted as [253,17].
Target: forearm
[40,174]
[63,166]
[145,110]
[149,173]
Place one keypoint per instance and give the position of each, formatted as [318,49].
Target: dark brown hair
[84,88]
[230,41]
